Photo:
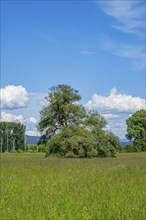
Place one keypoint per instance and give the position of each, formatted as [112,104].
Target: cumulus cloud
[110,116]
[8,117]
[32,133]
[11,117]
[115,102]
[29,122]
[32,120]
[13,97]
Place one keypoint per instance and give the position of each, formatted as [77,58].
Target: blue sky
[97,47]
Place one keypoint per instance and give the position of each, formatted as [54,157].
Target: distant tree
[11,136]
[70,131]
[136,129]
[130,148]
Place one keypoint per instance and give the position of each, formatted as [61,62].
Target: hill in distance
[34,140]
[125,141]
[31,139]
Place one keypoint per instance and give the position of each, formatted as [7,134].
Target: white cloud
[129,14]
[32,120]
[13,97]
[8,117]
[11,117]
[110,116]
[32,133]
[130,18]
[130,51]
[134,52]
[115,102]
[119,128]
[120,124]
[107,128]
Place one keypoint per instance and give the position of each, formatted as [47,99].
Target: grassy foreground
[37,188]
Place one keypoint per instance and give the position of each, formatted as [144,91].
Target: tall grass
[37,188]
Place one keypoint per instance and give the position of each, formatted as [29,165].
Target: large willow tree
[71,131]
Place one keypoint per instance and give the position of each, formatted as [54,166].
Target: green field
[34,187]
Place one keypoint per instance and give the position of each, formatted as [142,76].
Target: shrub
[42,148]
[131,148]
[92,153]
[20,151]
[36,148]
[77,141]
[70,154]
[71,142]
[105,149]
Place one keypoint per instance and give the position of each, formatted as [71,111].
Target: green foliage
[76,141]
[130,148]
[93,120]
[20,151]
[12,136]
[61,111]
[34,148]
[70,131]
[73,141]
[37,188]
[136,129]
[105,148]
[113,139]
[42,148]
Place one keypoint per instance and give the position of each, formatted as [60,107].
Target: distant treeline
[12,136]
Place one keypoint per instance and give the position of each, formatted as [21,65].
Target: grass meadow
[37,188]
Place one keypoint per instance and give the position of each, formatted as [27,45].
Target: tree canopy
[11,136]
[70,131]
[136,129]
[61,111]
